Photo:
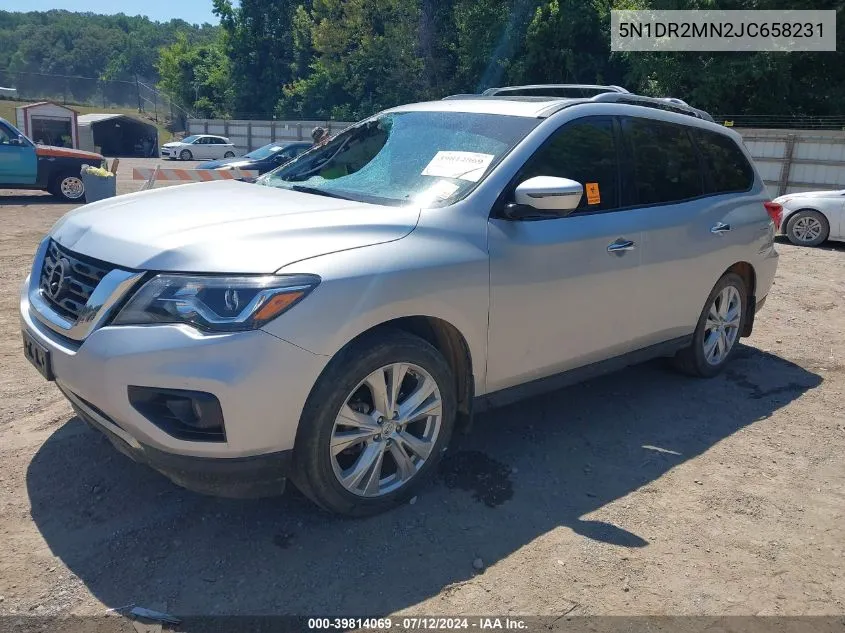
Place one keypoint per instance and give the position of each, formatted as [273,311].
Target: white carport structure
[117,135]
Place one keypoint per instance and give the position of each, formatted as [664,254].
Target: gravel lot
[639,493]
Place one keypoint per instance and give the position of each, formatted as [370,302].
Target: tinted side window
[584,151]
[665,165]
[727,166]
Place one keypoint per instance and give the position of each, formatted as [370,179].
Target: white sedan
[199,147]
[815,216]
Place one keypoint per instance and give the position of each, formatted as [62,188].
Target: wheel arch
[446,339]
[749,276]
[787,214]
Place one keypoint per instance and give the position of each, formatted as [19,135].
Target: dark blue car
[262,159]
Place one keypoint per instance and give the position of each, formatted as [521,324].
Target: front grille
[68,280]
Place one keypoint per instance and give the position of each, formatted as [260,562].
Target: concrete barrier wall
[797,160]
[250,135]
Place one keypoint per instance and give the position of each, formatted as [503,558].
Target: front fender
[422,274]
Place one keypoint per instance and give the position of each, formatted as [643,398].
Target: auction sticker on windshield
[463,165]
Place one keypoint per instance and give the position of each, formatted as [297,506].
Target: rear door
[18,162]
[219,147]
[692,231]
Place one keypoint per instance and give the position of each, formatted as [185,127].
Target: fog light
[186,415]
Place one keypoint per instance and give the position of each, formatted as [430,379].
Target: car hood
[225,227]
[810,194]
[173,144]
[48,151]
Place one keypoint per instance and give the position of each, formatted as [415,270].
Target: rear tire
[68,186]
[718,330]
[807,228]
[396,453]
[185,154]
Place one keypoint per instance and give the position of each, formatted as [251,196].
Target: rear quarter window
[728,170]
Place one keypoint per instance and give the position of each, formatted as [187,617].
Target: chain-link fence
[72,90]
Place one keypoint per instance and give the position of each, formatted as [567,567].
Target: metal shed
[49,123]
[117,135]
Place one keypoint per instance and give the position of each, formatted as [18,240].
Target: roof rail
[662,103]
[463,95]
[539,89]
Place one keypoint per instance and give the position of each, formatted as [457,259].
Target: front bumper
[238,477]
[261,382]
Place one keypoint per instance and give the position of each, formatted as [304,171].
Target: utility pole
[138,89]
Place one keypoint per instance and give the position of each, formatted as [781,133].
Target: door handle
[621,245]
[719,228]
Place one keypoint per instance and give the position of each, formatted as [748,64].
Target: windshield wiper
[316,191]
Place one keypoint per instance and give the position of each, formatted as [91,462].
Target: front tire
[807,228]
[185,154]
[375,424]
[68,187]
[229,155]
[718,330]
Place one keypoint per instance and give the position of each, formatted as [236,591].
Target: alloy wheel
[386,430]
[722,327]
[807,229]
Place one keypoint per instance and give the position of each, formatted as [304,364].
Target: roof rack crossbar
[667,103]
[507,89]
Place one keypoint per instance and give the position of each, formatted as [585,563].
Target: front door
[18,162]
[564,291]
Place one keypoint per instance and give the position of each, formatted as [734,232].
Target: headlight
[219,304]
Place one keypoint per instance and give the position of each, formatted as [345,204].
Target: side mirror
[18,141]
[548,193]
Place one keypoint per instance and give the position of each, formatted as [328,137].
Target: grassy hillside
[7,111]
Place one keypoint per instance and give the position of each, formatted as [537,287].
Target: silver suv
[332,322]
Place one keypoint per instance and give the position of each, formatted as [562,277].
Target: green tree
[567,42]
[260,46]
[365,58]
[758,83]
[83,56]
[197,76]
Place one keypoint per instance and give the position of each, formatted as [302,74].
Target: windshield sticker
[463,165]
[440,190]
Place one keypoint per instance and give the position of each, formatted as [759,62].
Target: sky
[194,11]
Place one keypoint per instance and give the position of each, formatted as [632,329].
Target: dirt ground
[644,492]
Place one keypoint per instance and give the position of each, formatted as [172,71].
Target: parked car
[332,322]
[199,147]
[812,217]
[262,159]
[25,165]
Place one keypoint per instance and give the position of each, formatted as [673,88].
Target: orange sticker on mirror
[593,196]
